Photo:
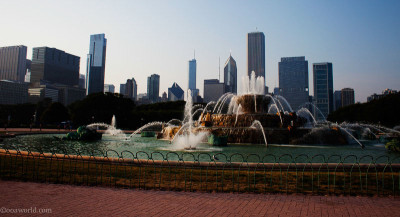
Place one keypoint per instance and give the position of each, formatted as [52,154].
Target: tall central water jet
[185,138]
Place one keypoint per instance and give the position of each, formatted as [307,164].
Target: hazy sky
[360,38]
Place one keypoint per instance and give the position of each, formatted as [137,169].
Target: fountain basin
[147,134]
[218,140]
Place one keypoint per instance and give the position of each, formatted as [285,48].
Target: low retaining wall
[314,178]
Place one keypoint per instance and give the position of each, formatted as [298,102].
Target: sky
[360,37]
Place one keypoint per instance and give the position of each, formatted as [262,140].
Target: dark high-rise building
[256,53]
[13,92]
[230,75]
[13,63]
[96,63]
[213,90]
[50,65]
[81,81]
[153,87]
[337,95]
[347,96]
[122,88]
[323,89]
[131,89]
[134,89]
[293,80]
[175,93]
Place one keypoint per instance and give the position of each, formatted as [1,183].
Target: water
[162,148]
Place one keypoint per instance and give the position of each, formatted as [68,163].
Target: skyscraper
[175,93]
[293,80]
[213,90]
[337,102]
[122,88]
[347,96]
[13,63]
[323,89]
[192,74]
[230,75]
[131,89]
[50,65]
[110,88]
[192,80]
[256,53]
[96,62]
[81,81]
[153,87]
[134,95]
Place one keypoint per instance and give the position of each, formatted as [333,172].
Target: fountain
[244,118]
[253,117]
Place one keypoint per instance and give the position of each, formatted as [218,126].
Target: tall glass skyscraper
[230,75]
[323,89]
[13,63]
[192,80]
[192,74]
[293,80]
[96,63]
[256,53]
[153,87]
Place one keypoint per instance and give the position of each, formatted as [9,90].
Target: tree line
[384,111]
[94,108]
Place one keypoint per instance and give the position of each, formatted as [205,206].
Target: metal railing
[319,174]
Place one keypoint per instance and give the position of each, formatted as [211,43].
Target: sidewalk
[66,200]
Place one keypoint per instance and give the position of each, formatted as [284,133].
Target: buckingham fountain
[245,124]
[254,118]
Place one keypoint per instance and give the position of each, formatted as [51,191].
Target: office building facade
[256,54]
[81,81]
[153,88]
[96,62]
[41,92]
[192,74]
[323,89]
[122,88]
[134,95]
[193,91]
[213,90]
[50,65]
[230,75]
[337,98]
[347,96]
[109,88]
[13,63]
[13,92]
[293,80]
[175,93]
[131,89]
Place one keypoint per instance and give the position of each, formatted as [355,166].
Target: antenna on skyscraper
[194,54]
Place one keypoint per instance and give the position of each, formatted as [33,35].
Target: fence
[319,174]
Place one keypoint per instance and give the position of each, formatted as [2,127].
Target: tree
[100,107]
[55,113]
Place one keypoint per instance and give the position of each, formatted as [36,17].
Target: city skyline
[364,52]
